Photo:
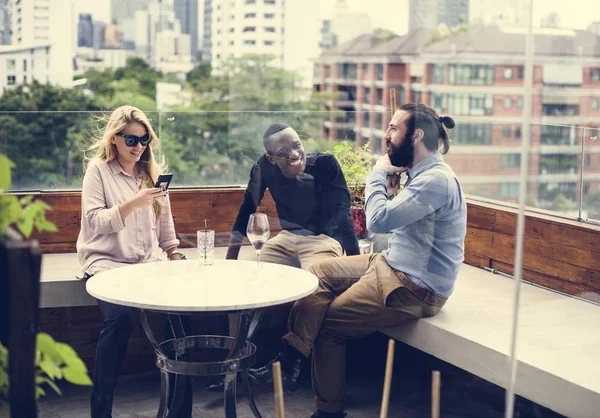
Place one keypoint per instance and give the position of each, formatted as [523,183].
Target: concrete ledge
[60,288]
[558,341]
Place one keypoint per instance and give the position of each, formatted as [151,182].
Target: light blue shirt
[428,219]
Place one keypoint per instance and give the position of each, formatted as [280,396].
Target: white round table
[178,287]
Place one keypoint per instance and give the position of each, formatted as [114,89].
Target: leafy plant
[24,213]
[356,164]
[53,361]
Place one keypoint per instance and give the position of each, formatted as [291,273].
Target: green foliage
[24,213]
[356,164]
[562,204]
[54,361]
[198,74]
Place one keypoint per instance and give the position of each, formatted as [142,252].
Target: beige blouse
[105,241]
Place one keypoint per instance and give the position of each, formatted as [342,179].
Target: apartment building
[22,64]
[478,78]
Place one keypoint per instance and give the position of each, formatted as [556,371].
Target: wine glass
[258,232]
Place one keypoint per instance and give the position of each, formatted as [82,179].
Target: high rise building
[247,26]
[347,24]
[430,13]
[121,10]
[99,28]
[85,31]
[5,23]
[50,23]
[207,31]
[187,13]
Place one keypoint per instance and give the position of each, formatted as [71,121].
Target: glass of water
[206,247]
[365,246]
[258,232]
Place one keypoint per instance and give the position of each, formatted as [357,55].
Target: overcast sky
[393,14]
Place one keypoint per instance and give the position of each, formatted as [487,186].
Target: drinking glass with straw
[206,245]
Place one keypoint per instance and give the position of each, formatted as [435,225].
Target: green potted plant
[52,360]
[356,165]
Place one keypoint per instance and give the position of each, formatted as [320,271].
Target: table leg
[164,395]
[246,383]
[180,382]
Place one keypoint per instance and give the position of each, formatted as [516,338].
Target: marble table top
[185,286]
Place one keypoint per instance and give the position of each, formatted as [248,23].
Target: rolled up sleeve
[423,196]
[102,220]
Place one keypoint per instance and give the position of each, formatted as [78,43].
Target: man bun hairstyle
[433,126]
[272,130]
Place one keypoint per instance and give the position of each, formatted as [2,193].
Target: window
[470,74]
[379,69]
[249,42]
[24,79]
[270,29]
[250,15]
[249,29]
[438,73]
[366,120]
[367,95]
[269,43]
[269,15]
[506,132]
[232,43]
[521,73]
[231,30]
[558,164]
[556,135]
[24,65]
[380,97]
[365,70]
[510,160]
[437,102]
[11,65]
[595,73]
[378,121]
[509,189]
[269,1]
[472,134]
[507,103]
[508,73]
[594,104]
[250,2]
[588,161]
[518,132]
[348,71]
[417,96]
[520,103]
[470,104]
[11,79]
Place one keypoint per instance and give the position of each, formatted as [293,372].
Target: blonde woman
[125,220]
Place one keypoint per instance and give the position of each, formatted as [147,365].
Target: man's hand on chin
[384,163]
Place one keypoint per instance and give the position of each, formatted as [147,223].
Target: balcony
[211,154]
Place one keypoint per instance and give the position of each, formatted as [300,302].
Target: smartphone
[163,181]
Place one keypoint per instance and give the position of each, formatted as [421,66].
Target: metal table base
[172,357]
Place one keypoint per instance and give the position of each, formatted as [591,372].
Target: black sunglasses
[132,140]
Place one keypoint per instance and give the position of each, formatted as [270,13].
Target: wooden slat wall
[559,254]
[190,208]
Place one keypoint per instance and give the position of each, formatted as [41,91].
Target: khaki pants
[296,251]
[357,296]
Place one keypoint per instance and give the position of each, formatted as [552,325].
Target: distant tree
[199,73]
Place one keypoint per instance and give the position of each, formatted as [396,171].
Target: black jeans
[112,344]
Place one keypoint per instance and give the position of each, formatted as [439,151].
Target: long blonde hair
[106,151]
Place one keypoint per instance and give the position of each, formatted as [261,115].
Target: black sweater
[316,203]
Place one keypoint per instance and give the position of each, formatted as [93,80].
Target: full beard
[403,155]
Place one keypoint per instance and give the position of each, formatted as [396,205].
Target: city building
[509,13]
[121,10]
[85,31]
[431,13]
[113,36]
[21,64]
[186,11]
[99,29]
[100,59]
[347,24]
[477,77]
[246,26]
[43,22]
[328,38]
[206,50]
[5,22]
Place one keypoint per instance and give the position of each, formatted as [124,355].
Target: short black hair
[426,118]
[272,130]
